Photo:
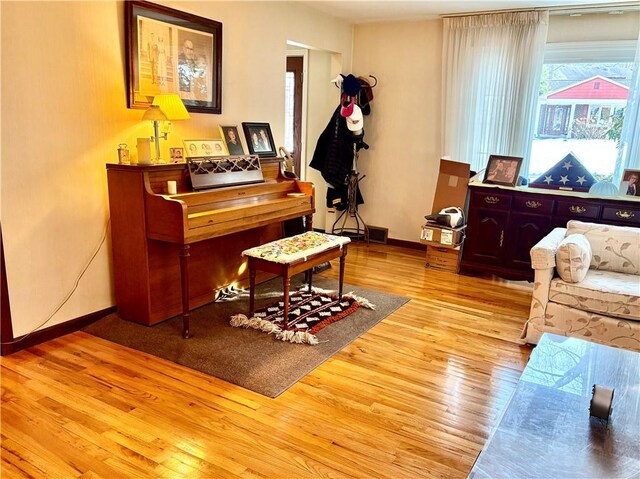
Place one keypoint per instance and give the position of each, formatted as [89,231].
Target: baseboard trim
[405,244]
[16,344]
[392,242]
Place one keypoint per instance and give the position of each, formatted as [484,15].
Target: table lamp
[165,107]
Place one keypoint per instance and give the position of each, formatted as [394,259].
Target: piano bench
[289,256]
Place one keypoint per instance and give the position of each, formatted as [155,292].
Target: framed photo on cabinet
[629,185]
[502,170]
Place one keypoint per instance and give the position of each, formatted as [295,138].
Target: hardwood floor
[416,396]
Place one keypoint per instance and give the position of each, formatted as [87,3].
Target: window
[581,106]
[289,98]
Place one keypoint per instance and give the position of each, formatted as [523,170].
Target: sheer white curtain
[629,148]
[491,75]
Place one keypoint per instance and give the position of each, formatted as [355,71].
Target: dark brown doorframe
[295,66]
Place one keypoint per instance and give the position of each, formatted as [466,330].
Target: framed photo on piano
[259,139]
[205,148]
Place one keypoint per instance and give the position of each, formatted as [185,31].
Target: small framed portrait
[231,138]
[502,170]
[205,148]
[259,139]
[177,155]
[629,186]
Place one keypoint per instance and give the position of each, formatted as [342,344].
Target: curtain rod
[600,8]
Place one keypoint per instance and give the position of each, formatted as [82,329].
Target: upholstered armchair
[587,285]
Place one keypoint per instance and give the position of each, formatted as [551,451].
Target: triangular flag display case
[567,174]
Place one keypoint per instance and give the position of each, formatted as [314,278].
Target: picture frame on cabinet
[169,51]
[502,170]
[630,183]
[259,139]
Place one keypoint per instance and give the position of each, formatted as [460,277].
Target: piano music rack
[226,171]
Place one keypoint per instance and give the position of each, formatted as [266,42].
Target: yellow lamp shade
[172,106]
[154,114]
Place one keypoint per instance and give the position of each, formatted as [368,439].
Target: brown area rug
[258,362]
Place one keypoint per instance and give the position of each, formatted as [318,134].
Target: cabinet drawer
[577,209]
[535,205]
[491,199]
[621,214]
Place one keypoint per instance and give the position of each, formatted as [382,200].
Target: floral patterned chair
[587,285]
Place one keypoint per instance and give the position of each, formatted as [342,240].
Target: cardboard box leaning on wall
[451,189]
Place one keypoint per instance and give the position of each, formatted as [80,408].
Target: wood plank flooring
[414,397]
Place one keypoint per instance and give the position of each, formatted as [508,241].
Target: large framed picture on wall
[169,51]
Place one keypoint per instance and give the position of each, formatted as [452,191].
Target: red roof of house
[597,88]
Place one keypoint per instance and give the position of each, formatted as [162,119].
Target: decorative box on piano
[192,241]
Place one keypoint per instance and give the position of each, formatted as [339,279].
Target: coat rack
[339,227]
[370,85]
[360,230]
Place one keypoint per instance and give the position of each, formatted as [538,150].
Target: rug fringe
[241,321]
[362,300]
[299,337]
[318,290]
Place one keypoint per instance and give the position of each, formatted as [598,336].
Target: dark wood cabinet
[503,224]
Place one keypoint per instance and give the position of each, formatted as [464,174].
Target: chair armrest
[543,254]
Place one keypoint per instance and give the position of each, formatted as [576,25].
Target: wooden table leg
[286,284]
[342,260]
[252,287]
[184,281]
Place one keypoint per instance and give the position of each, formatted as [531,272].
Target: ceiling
[363,11]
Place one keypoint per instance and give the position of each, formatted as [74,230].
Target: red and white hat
[355,123]
[347,103]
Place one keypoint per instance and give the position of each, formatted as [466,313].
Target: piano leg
[308,222]
[184,279]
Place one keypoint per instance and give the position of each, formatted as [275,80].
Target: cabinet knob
[625,215]
[492,200]
[533,204]
[577,209]
[501,238]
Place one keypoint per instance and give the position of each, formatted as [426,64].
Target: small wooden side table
[290,256]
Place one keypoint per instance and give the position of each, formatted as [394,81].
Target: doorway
[293,109]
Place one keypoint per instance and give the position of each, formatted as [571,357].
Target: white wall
[593,27]
[64,113]
[323,99]
[403,130]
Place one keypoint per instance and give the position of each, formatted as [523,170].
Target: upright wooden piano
[173,253]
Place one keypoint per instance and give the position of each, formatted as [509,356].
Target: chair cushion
[605,292]
[615,248]
[573,258]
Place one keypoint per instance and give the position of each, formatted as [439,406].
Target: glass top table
[546,430]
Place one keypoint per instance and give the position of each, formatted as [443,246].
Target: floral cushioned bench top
[290,250]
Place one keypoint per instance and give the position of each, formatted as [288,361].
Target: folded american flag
[567,174]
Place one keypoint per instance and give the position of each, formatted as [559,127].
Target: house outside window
[581,111]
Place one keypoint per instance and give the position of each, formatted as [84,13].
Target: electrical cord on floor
[70,293]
